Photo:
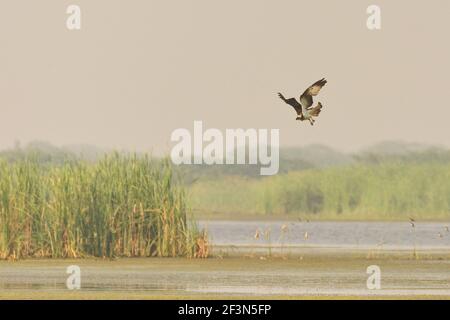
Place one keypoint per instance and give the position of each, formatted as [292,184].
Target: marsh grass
[123,205]
[387,191]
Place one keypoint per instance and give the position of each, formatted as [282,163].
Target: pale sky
[139,69]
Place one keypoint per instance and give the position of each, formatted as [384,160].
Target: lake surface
[383,235]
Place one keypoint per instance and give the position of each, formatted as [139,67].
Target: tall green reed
[124,205]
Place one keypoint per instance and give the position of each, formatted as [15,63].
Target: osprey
[304,109]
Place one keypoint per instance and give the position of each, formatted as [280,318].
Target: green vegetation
[390,190]
[122,205]
[387,181]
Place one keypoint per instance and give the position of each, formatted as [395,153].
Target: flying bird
[305,110]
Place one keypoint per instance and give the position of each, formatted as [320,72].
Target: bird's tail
[316,110]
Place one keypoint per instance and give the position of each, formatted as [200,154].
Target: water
[384,235]
[312,272]
[315,275]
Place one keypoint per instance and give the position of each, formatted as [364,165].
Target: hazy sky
[139,69]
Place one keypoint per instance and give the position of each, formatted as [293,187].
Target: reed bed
[123,205]
[390,191]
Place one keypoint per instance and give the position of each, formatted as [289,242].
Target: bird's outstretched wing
[306,99]
[292,102]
